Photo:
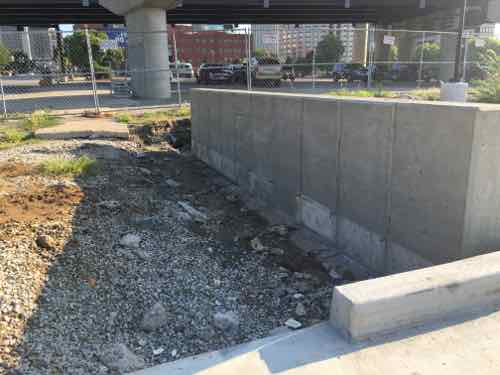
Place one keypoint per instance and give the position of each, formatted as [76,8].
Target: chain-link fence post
[421,66]
[176,57]
[4,104]
[92,72]
[372,35]
[314,70]
[249,60]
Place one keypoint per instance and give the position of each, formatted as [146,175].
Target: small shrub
[427,94]
[40,119]
[378,93]
[14,136]
[72,167]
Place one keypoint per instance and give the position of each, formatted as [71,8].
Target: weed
[69,167]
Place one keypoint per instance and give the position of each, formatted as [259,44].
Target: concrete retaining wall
[397,185]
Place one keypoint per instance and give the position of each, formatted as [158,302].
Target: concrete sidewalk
[450,347]
[85,128]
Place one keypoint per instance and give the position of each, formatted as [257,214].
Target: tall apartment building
[297,41]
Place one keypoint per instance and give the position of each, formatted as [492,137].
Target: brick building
[210,46]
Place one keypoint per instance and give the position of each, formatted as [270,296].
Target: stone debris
[300,310]
[158,351]
[172,183]
[277,251]
[110,205]
[226,321]
[119,358]
[257,245]
[155,318]
[82,298]
[196,214]
[45,242]
[293,324]
[282,230]
[131,240]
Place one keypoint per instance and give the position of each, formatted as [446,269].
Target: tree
[114,58]
[5,55]
[482,58]
[431,51]
[330,49]
[75,46]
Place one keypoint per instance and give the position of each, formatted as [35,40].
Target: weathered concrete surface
[449,347]
[374,307]
[85,128]
[396,184]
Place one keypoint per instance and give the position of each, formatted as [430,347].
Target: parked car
[356,72]
[267,70]
[185,70]
[214,73]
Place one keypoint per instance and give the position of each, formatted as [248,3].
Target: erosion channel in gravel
[153,259]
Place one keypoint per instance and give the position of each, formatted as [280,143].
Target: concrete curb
[380,306]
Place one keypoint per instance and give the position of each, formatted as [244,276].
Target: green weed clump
[81,166]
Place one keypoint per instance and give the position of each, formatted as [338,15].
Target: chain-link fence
[94,70]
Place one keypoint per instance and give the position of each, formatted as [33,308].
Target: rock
[131,240]
[232,198]
[293,324]
[184,216]
[335,276]
[257,245]
[172,183]
[282,230]
[158,351]
[298,296]
[45,242]
[277,252]
[196,214]
[110,205]
[155,318]
[226,321]
[146,171]
[300,310]
[217,283]
[119,358]
[303,276]
[173,353]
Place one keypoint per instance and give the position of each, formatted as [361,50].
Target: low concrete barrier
[398,185]
[379,306]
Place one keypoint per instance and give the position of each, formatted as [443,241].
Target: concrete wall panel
[431,156]
[320,139]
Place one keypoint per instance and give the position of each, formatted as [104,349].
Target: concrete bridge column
[148,52]
[147,44]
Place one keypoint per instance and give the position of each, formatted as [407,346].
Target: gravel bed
[154,259]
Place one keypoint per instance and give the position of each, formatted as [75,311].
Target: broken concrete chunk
[300,310]
[119,358]
[257,245]
[131,240]
[226,321]
[196,214]
[110,205]
[155,318]
[293,324]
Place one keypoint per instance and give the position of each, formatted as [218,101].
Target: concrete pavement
[449,347]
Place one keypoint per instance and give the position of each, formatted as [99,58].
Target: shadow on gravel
[131,246]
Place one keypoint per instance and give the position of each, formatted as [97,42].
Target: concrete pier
[148,54]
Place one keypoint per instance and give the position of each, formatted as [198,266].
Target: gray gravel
[155,264]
